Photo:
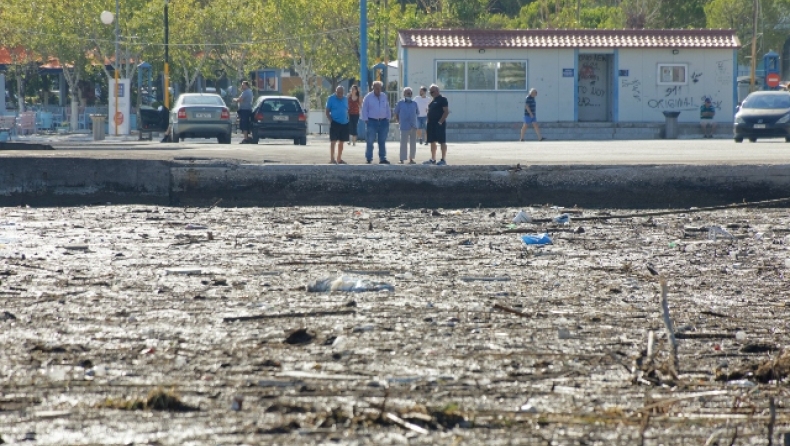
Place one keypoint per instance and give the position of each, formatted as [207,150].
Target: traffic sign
[772,80]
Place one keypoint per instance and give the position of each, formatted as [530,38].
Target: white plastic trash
[522,217]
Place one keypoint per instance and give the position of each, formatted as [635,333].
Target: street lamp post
[107,18]
[167,59]
[363,50]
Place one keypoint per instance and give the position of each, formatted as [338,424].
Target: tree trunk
[20,92]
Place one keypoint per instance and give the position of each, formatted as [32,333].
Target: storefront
[580,75]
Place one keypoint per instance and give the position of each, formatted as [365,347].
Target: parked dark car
[763,114]
[279,117]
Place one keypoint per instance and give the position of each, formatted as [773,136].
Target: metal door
[594,87]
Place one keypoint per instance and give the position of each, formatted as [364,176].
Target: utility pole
[754,46]
[363,44]
[167,60]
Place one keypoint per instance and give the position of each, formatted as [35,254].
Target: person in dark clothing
[436,131]
[245,111]
[706,113]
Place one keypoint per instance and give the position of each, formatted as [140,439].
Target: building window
[672,74]
[512,76]
[481,75]
[451,75]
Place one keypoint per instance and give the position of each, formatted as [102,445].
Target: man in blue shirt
[406,111]
[337,112]
[376,113]
[530,115]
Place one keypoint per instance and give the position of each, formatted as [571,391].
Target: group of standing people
[414,115]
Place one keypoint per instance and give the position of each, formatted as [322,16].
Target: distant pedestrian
[354,106]
[245,111]
[530,115]
[438,110]
[406,111]
[706,113]
[422,105]
[337,112]
[376,113]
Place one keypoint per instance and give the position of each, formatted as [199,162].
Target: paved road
[694,152]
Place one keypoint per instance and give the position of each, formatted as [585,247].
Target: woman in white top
[422,109]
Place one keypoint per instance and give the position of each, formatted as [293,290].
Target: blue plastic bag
[539,239]
[564,218]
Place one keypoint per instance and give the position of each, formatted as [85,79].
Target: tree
[679,14]
[339,57]
[738,14]
[241,41]
[23,60]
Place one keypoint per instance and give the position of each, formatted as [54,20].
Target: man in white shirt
[376,113]
[422,107]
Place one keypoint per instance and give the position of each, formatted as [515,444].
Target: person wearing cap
[706,113]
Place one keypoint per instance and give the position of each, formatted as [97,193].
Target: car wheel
[787,139]
[223,139]
[752,139]
[254,138]
[739,139]
[297,141]
[303,141]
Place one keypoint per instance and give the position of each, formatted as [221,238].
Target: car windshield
[202,100]
[764,101]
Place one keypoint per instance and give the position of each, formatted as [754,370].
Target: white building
[614,76]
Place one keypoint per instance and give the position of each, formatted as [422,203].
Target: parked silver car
[200,115]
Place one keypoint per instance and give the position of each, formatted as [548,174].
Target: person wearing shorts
[245,111]
[337,112]
[438,110]
[530,115]
[422,119]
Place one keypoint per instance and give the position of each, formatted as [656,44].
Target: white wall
[639,97]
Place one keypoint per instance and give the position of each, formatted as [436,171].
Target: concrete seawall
[38,181]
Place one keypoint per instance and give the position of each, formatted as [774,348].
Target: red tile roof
[569,38]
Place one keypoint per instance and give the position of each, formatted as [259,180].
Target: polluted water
[346,325]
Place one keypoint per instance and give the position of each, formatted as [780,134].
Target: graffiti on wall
[633,87]
[715,80]
[592,86]
[723,72]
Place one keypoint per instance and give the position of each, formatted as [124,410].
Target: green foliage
[320,38]
[603,17]
[468,12]
[738,15]
[681,14]
[298,93]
